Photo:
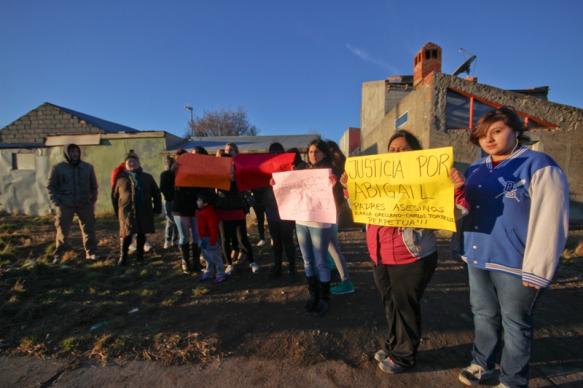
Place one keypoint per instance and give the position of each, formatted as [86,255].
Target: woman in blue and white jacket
[513,237]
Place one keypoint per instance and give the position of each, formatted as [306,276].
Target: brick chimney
[427,61]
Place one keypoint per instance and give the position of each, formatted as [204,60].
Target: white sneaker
[91,257]
[475,375]
[132,247]
[147,247]
[261,243]
[229,269]
[167,244]
[254,267]
[380,355]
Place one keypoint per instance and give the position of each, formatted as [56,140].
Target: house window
[21,161]
[460,109]
[457,111]
[402,120]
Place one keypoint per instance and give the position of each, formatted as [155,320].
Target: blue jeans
[187,226]
[313,244]
[170,231]
[214,261]
[502,309]
[336,254]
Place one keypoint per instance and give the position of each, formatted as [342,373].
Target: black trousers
[140,241]
[282,234]
[260,214]
[232,232]
[401,288]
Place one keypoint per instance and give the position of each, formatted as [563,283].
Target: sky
[295,67]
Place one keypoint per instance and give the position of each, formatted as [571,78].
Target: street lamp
[189,107]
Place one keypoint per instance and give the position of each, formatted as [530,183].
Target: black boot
[276,269]
[293,274]
[140,241]
[124,246]
[324,303]
[185,260]
[196,259]
[312,303]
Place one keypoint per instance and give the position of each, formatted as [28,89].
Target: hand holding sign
[403,189]
[305,195]
[253,171]
[197,170]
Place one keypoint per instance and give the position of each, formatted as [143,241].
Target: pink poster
[305,195]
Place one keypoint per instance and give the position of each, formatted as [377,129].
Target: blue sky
[294,66]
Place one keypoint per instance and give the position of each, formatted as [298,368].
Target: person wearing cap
[135,198]
[73,191]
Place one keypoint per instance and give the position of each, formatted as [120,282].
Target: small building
[350,141]
[33,144]
[441,108]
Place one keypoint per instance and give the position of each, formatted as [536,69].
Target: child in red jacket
[208,231]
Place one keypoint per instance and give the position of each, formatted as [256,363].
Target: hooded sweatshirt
[72,183]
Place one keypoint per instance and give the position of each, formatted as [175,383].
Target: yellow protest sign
[403,189]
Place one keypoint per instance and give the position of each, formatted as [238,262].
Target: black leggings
[282,233]
[140,241]
[260,214]
[232,232]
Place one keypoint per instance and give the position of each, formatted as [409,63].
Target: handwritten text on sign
[403,189]
[305,195]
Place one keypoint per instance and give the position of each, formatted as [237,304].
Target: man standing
[73,190]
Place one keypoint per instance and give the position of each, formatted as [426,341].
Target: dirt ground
[93,324]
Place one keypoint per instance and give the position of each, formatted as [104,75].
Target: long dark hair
[409,138]
[200,150]
[322,147]
[336,156]
[276,148]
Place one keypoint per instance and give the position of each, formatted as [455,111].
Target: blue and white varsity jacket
[519,216]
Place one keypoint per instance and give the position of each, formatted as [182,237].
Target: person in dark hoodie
[184,211]
[73,191]
[167,189]
[135,198]
[231,211]
[281,231]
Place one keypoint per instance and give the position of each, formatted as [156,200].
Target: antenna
[465,67]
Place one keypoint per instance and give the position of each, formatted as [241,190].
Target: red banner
[253,171]
[197,170]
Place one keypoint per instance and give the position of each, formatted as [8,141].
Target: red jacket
[208,224]
[396,246]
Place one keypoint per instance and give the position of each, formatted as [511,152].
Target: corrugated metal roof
[247,143]
[19,145]
[105,125]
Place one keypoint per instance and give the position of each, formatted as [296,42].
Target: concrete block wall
[41,122]
[373,105]
[418,105]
